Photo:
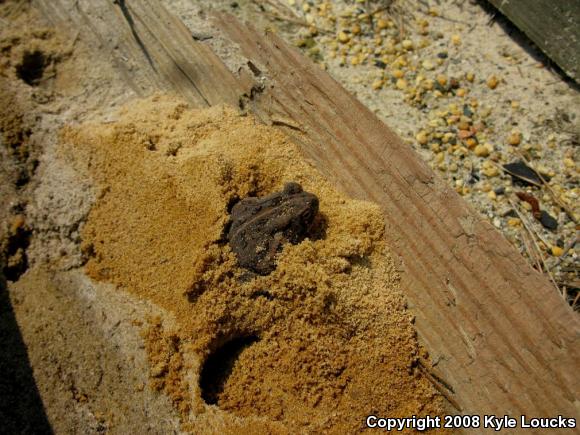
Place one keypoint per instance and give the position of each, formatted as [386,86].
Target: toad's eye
[308,213]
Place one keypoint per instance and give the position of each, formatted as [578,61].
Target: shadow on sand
[21,408]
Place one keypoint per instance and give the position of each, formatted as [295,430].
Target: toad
[260,226]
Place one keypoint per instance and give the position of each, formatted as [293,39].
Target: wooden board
[152,48]
[501,337]
[553,25]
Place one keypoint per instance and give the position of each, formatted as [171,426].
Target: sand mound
[318,344]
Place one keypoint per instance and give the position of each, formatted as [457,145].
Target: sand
[72,355]
[317,345]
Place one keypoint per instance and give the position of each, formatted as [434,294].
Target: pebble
[485,112]
[490,171]
[557,251]
[398,74]
[515,138]
[382,24]
[428,65]
[464,134]
[471,143]
[492,82]
[514,222]
[545,171]
[569,163]
[433,12]
[422,137]
[481,151]
[508,211]
[378,84]
[441,79]
[456,39]
[408,44]
[401,84]
[427,84]
[463,125]
[343,37]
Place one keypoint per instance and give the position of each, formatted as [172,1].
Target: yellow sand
[334,341]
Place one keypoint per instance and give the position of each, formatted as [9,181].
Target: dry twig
[534,256]
[575,300]
[532,233]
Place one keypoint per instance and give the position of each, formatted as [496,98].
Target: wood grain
[500,336]
[553,25]
[152,48]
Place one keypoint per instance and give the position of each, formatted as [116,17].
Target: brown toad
[260,226]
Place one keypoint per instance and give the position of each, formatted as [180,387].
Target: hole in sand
[32,67]
[17,259]
[219,365]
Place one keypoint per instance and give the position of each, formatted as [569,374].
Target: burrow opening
[219,365]
[17,258]
[32,67]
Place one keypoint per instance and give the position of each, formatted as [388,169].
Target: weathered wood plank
[553,25]
[151,47]
[504,339]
